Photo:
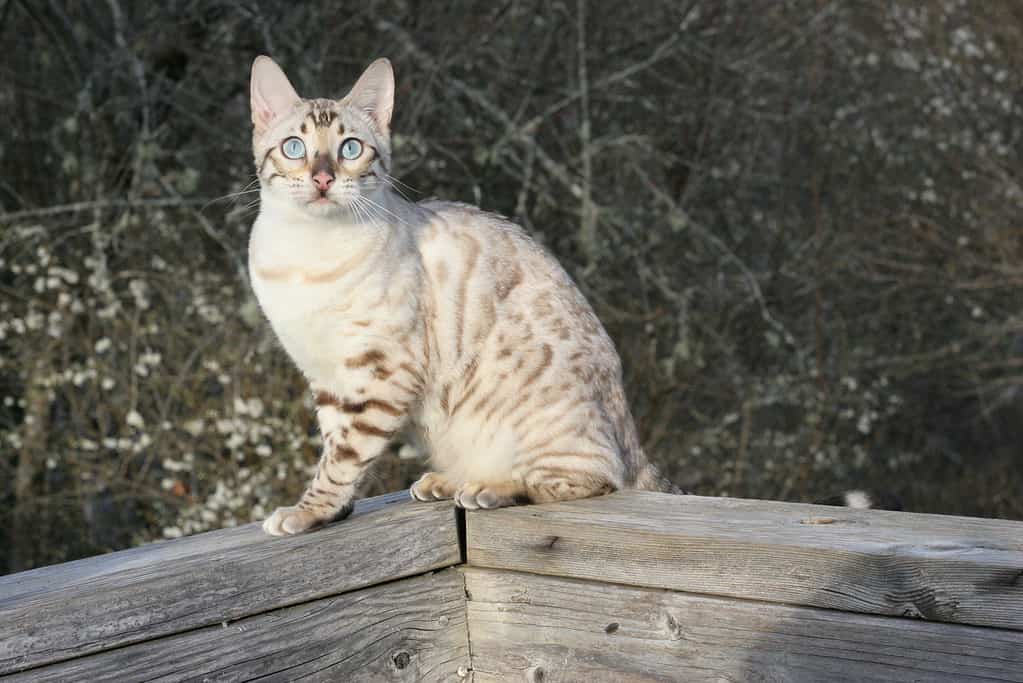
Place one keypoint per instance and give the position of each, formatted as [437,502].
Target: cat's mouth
[321,199]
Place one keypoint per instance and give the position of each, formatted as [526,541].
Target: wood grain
[70,610]
[408,630]
[941,568]
[526,627]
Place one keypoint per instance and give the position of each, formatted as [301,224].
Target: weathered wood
[408,630]
[525,627]
[56,613]
[936,567]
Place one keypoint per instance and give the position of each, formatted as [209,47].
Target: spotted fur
[433,320]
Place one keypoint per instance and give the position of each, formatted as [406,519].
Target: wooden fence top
[73,618]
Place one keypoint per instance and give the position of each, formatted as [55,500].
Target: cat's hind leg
[570,476]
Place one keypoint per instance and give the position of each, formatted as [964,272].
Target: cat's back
[494,248]
[495,287]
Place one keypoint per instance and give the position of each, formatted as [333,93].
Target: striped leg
[355,432]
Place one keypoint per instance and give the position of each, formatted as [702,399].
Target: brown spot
[470,370]
[504,353]
[371,404]
[303,128]
[334,481]
[413,372]
[380,372]
[542,305]
[444,391]
[327,275]
[548,354]
[322,118]
[361,323]
[326,398]
[371,430]
[508,278]
[368,358]
[465,397]
[344,452]
[320,492]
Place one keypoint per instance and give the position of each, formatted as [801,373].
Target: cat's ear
[272,93]
[374,92]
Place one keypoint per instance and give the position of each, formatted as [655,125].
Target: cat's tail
[651,479]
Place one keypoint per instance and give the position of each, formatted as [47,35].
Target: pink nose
[323,180]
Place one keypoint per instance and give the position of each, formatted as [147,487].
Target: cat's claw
[289,520]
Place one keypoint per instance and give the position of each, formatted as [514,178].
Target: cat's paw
[487,496]
[290,520]
[432,486]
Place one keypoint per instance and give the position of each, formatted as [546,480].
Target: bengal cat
[434,321]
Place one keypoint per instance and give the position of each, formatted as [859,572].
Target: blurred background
[799,220]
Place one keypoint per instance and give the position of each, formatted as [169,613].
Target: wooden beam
[526,627]
[409,630]
[69,610]
[942,568]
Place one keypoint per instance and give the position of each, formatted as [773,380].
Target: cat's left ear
[374,92]
[272,93]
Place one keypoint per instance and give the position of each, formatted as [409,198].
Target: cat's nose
[323,180]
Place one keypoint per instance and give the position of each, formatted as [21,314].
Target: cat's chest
[309,300]
[306,321]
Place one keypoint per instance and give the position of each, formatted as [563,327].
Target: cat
[434,320]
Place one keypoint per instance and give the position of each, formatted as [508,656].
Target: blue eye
[350,149]
[293,148]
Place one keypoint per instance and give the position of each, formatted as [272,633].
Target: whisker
[396,217]
[396,189]
[395,181]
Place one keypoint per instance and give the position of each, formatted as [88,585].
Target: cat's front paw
[290,520]
[432,486]
[486,496]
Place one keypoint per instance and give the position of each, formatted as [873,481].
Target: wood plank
[935,567]
[525,627]
[70,610]
[408,630]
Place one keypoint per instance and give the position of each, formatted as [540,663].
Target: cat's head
[322,157]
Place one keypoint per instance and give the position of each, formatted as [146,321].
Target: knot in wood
[401,660]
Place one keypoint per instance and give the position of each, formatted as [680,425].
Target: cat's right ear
[272,93]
